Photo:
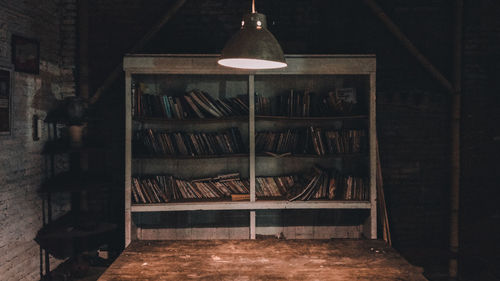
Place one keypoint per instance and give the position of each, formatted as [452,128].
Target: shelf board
[144,157]
[76,182]
[245,205]
[63,147]
[244,155]
[197,120]
[339,155]
[246,118]
[325,118]
[61,235]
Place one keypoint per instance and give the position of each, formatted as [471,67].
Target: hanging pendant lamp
[253,46]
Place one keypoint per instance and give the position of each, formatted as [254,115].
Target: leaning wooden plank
[386,233]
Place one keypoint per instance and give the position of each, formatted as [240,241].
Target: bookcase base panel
[311,232]
[259,205]
[287,232]
[193,233]
[282,224]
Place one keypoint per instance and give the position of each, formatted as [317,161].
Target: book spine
[166,104]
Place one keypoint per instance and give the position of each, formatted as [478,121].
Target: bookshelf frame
[207,65]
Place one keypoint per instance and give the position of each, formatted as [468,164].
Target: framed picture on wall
[5,102]
[25,54]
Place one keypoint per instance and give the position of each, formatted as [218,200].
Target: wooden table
[266,259]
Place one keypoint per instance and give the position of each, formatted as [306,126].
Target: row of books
[160,142]
[195,104]
[274,186]
[311,140]
[332,185]
[307,104]
[164,188]
[319,184]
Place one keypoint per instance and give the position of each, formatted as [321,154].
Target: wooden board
[245,205]
[207,64]
[268,259]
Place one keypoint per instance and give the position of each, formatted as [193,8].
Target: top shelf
[207,64]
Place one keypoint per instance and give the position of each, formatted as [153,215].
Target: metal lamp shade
[253,46]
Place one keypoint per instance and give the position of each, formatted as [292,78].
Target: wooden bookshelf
[175,74]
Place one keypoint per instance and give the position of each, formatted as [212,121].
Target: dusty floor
[267,259]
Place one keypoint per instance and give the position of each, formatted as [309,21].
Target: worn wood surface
[268,259]
[207,64]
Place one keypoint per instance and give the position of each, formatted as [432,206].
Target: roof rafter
[394,29]
[137,46]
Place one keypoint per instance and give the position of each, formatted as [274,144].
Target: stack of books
[164,188]
[312,140]
[307,104]
[195,104]
[324,184]
[159,142]
[274,186]
[319,184]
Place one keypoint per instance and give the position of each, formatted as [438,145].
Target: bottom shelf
[72,234]
[246,205]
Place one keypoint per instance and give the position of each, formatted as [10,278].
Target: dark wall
[23,168]
[480,147]
[413,115]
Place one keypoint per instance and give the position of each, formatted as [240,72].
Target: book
[240,197]
[194,107]
[205,106]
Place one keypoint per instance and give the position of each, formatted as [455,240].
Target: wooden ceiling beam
[394,29]
[117,71]
[456,90]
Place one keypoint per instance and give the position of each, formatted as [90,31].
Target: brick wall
[22,167]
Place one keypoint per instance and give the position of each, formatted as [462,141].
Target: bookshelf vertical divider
[320,72]
[251,138]
[373,160]
[128,158]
